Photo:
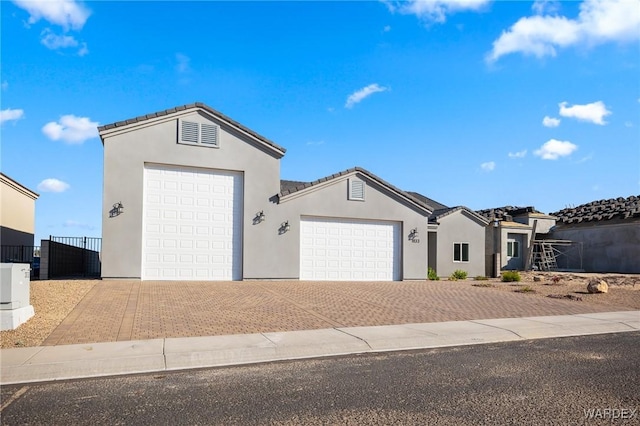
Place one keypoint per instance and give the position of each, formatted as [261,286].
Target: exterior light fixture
[284,227]
[117,209]
[496,223]
[414,234]
[260,216]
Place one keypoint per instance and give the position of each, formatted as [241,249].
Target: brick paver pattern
[134,310]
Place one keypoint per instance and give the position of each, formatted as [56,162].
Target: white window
[356,190]
[192,133]
[460,252]
[513,249]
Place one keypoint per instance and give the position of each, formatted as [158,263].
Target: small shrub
[555,279]
[526,289]
[510,276]
[458,274]
[483,285]
[481,278]
[432,275]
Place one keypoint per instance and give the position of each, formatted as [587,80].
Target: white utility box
[15,306]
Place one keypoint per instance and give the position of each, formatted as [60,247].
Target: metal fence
[22,254]
[70,257]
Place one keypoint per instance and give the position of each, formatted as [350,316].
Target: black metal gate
[22,254]
[74,257]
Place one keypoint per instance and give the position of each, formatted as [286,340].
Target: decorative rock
[537,279]
[597,286]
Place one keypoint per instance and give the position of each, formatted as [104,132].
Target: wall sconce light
[117,209]
[496,223]
[259,218]
[284,227]
[414,234]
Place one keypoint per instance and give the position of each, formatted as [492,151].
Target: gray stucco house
[190,194]
[608,232]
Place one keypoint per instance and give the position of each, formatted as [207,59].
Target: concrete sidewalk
[47,363]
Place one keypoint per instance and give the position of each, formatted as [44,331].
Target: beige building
[17,213]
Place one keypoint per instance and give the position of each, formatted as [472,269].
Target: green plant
[526,289]
[458,274]
[510,276]
[483,285]
[432,274]
[481,278]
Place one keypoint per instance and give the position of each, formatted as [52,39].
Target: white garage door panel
[349,250]
[192,224]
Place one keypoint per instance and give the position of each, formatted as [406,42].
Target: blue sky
[477,103]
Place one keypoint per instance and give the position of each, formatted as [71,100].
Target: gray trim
[290,188]
[428,201]
[196,105]
[439,214]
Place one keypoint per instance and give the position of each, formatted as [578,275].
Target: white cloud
[599,21]
[435,10]
[52,185]
[5,85]
[363,93]
[554,149]
[76,224]
[550,121]
[11,115]
[183,62]
[65,13]
[593,112]
[54,41]
[628,124]
[488,166]
[541,7]
[71,129]
[519,154]
[310,143]
[84,50]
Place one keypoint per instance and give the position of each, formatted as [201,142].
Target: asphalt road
[550,381]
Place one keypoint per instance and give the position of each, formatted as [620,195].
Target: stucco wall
[606,247]
[125,154]
[523,237]
[458,227]
[331,201]
[17,213]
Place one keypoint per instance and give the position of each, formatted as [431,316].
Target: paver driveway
[132,310]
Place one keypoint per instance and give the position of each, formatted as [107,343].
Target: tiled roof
[501,213]
[428,201]
[195,105]
[288,187]
[614,208]
[440,213]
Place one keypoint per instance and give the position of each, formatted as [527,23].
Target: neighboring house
[510,235]
[17,213]
[190,194]
[458,243]
[609,231]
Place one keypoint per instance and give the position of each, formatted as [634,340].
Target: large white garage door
[349,250]
[192,224]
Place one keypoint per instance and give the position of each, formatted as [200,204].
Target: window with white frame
[202,134]
[356,189]
[513,249]
[460,252]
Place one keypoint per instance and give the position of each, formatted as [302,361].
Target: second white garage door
[349,250]
[192,226]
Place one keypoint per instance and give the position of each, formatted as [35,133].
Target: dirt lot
[624,289]
[54,300]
